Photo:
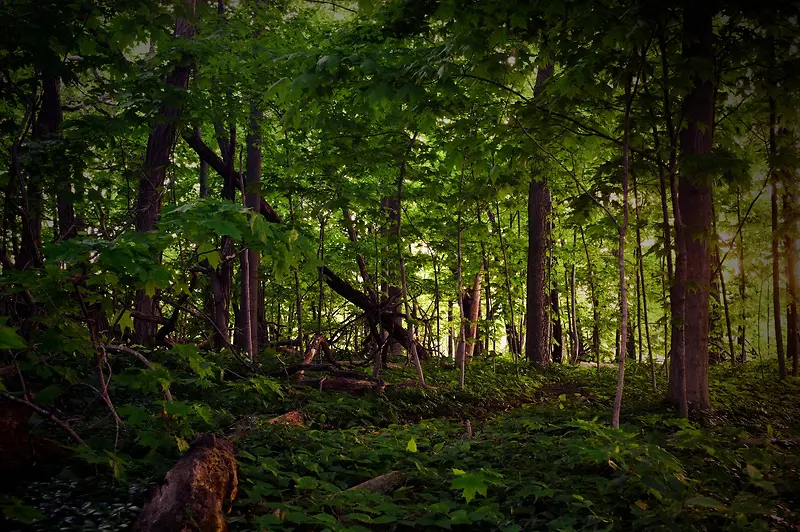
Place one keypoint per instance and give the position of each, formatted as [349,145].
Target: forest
[339,265]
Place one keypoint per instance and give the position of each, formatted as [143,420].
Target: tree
[694,197]
[156,160]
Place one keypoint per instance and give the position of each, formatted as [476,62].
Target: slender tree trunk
[790,230]
[203,170]
[514,342]
[436,303]
[159,146]
[461,349]
[623,287]
[643,287]
[595,302]
[576,335]
[399,236]
[776,258]
[450,339]
[742,337]
[253,201]
[321,257]
[723,290]
[472,315]
[558,336]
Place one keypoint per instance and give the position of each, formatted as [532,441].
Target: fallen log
[194,491]
[384,483]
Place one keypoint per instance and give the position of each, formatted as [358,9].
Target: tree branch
[47,414]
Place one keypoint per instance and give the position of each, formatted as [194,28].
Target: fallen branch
[342,385]
[128,351]
[288,371]
[384,483]
[47,414]
[194,491]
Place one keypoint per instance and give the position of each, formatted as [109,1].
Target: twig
[334,4]
[137,354]
[569,172]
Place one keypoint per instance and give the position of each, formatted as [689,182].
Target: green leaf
[306,483]
[20,512]
[470,485]
[9,339]
[706,502]
[412,445]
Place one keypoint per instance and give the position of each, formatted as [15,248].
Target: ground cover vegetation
[383,265]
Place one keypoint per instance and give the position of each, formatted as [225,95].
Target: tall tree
[695,201]
[537,297]
[154,172]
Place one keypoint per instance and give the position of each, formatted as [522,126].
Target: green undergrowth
[540,456]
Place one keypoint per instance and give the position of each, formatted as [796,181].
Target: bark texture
[194,491]
[695,203]
[536,348]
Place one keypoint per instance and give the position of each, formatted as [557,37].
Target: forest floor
[537,454]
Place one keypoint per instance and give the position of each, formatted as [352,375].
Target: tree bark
[159,146]
[536,301]
[790,230]
[473,310]
[695,204]
[536,349]
[195,491]
[776,258]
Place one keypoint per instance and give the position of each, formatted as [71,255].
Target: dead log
[383,484]
[194,491]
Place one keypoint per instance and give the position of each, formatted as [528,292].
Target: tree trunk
[473,311]
[595,302]
[776,258]
[52,115]
[412,343]
[558,336]
[695,205]
[461,348]
[576,335]
[790,230]
[514,343]
[536,349]
[623,287]
[742,339]
[722,289]
[148,203]
[253,201]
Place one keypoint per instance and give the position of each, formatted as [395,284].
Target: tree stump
[194,491]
